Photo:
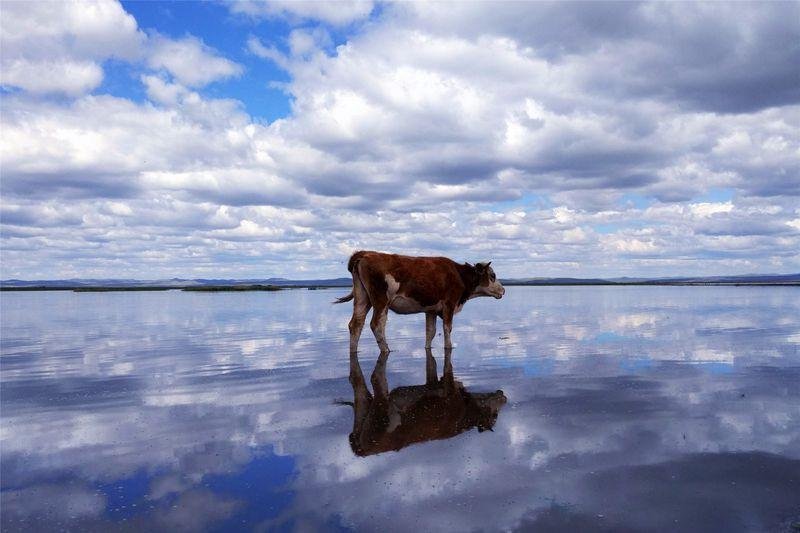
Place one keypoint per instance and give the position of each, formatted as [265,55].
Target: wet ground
[559,409]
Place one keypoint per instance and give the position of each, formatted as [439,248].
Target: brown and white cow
[436,286]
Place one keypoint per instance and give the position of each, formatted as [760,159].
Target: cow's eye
[492,276]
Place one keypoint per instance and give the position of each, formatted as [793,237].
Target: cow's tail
[344,299]
[351,267]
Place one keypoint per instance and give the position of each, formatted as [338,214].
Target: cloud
[337,13]
[61,47]
[728,57]
[98,145]
[600,408]
[190,61]
[54,501]
[58,47]
[514,111]
[582,140]
[69,77]
[229,186]
[163,92]
[256,47]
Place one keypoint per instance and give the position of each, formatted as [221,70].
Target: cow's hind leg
[430,328]
[378,321]
[361,396]
[361,305]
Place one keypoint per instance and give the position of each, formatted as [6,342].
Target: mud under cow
[436,286]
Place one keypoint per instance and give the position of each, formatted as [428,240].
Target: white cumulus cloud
[190,61]
[58,47]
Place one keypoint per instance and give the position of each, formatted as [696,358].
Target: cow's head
[489,405]
[488,285]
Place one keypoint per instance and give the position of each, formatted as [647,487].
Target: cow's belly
[405,306]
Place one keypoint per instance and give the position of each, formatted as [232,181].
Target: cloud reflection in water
[639,408]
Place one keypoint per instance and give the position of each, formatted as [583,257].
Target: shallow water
[626,409]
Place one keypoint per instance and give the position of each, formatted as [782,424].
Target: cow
[436,286]
[439,409]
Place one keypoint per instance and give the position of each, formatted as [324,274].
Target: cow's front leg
[448,378]
[431,375]
[378,325]
[447,326]
[430,328]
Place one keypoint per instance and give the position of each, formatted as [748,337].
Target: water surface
[623,409]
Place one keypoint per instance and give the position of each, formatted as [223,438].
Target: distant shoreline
[274,288]
[188,288]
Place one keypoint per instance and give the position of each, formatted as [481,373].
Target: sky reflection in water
[633,408]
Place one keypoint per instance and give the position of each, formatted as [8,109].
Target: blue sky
[222,31]
[257,139]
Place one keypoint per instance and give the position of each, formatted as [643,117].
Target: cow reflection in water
[439,409]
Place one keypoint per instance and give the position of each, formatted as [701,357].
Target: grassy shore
[233,288]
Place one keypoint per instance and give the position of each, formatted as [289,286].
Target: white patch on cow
[392,286]
[395,418]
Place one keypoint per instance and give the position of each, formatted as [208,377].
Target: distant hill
[177,283]
[180,283]
[555,281]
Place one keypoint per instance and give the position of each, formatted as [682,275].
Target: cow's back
[427,280]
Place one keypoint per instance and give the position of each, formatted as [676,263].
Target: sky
[253,139]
